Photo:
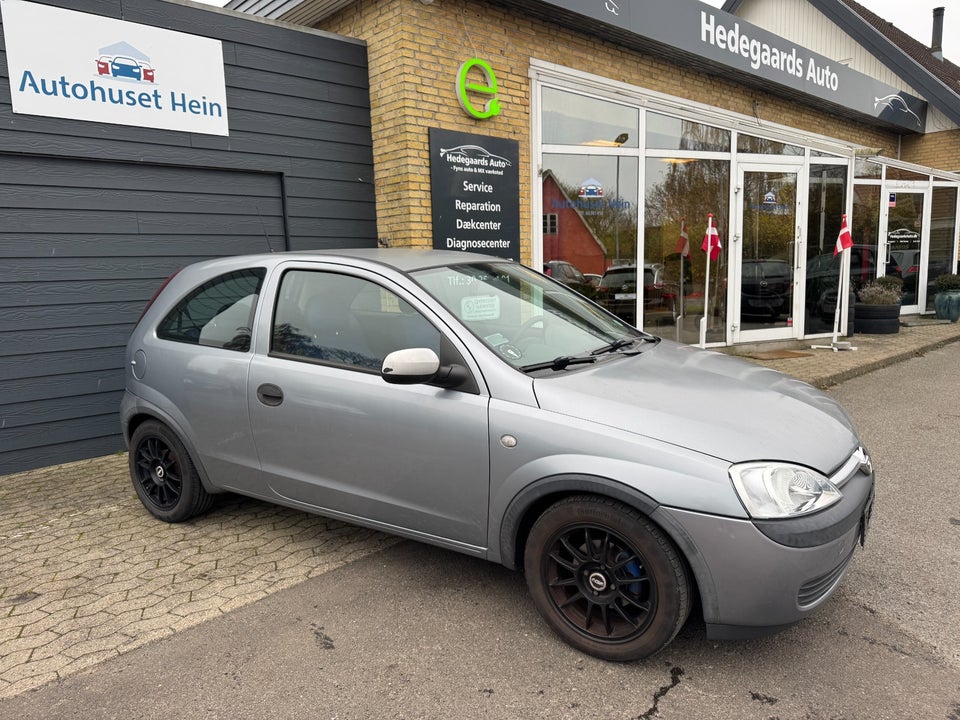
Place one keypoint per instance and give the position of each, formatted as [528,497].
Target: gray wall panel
[94,216]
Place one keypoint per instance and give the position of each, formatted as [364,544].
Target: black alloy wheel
[164,476]
[606,579]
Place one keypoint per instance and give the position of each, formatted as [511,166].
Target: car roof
[401,259]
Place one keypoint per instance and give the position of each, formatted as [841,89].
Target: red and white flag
[844,240]
[711,240]
[683,244]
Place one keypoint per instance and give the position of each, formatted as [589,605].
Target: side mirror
[410,366]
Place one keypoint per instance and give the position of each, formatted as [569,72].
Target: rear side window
[219,313]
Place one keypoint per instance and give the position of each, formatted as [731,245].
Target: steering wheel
[528,328]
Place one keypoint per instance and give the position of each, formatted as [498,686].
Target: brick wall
[415,51]
[939,150]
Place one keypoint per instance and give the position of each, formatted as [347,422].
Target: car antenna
[263,225]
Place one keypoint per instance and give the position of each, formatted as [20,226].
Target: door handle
[270,394]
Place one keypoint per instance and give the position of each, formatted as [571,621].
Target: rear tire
[164,476]
[606,579]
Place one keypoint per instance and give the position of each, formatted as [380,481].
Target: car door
[332,435]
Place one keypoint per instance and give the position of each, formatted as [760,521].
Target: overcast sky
[914,17]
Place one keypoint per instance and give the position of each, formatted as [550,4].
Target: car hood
[707,402]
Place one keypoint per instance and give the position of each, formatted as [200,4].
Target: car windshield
[526,318]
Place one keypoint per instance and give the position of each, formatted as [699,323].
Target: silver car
[472,403]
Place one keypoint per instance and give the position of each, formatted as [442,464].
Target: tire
[606,579]
[164,476]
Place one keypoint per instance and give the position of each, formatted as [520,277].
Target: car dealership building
[141,135]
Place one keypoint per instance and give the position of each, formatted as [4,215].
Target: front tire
[164,476]
[606,579]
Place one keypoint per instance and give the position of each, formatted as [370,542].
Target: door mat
[778,355]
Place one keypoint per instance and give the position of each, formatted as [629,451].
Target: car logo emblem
[597,581]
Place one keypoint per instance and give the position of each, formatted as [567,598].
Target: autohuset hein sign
[79,66]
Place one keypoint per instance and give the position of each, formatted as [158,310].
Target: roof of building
[935,78]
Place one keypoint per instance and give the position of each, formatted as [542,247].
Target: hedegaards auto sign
[78,66]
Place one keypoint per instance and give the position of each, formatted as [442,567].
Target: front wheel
[606,579]
[164,476]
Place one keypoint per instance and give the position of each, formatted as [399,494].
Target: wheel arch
[533,500]
[140,416]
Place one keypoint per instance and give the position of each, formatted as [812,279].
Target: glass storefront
[624,187]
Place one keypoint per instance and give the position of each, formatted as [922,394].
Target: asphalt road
[417,632]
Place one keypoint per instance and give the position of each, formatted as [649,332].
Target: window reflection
[572,119]
[671,133]
[765,146]
[943,231]
[593,199]
[826,202]
[677,195]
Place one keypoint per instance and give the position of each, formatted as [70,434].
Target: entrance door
[904,240]
[765,258]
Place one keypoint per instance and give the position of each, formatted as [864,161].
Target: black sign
[475,185]
[705,33]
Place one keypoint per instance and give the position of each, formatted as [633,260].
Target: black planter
[876,319]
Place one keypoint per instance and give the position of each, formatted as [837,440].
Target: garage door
[83,246]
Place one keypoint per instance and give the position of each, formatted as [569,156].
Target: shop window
[594,200]
[894,173]
[867,169]
[573,119]
[826,203]
[864,231]
[764,146]
[549,223]
[665,132]
[683,194]
[943,234]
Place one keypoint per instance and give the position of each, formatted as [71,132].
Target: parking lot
[105,612]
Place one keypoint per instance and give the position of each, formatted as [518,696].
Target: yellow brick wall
[415,51]
[939,150]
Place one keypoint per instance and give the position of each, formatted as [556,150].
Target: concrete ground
[87,575]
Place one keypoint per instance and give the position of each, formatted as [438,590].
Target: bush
[881,293]
[891,282]
[947,282]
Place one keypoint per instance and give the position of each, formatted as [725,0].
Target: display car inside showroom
[618,138]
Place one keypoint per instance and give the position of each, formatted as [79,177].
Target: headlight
[780,490]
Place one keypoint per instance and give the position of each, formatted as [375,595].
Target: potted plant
[946,302]
[877,310]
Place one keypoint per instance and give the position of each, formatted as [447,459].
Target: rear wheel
[164,476]
[606,579]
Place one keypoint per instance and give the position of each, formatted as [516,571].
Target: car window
[519,314]
[219,313]
[345,320]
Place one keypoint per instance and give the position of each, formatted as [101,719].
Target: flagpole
[708,242]
[844,243]
[706,305]
[683,247]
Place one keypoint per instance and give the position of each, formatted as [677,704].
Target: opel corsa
[472,403]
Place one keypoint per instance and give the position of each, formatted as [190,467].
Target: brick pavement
[87,575]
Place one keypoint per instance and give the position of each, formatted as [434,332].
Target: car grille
[815,589]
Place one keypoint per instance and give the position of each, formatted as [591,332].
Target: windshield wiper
[624,342]
[559,363]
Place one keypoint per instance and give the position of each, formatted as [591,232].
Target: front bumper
[758,577]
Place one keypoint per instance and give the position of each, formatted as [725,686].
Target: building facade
[657,117]
[101,200]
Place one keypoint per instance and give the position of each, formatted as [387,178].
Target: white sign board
[77,66]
